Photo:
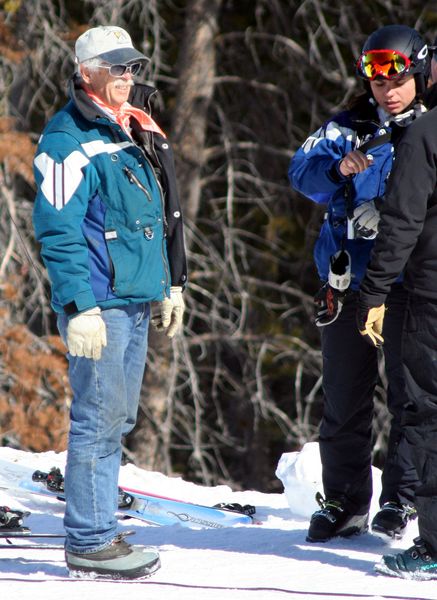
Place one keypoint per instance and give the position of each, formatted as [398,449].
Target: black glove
[328,303]
[370,320]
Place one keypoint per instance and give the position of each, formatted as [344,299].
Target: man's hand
[366,220]
[86,334]
[171,313]
[328,303]
[370,320]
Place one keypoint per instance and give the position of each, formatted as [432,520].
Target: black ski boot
[415,563]
[392,519]
[333,520]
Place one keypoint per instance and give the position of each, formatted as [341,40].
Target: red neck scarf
[123,115]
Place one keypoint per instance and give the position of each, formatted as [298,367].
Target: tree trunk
[196,72]
[150,442]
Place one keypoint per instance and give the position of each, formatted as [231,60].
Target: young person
[345,165]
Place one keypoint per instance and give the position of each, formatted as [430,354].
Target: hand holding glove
[86,334]
[171,312]
[370,320]
[366,220]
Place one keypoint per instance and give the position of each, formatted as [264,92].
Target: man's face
[113,91]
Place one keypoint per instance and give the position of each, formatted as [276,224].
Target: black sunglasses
[120,70]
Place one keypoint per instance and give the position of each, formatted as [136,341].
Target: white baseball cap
[111,44]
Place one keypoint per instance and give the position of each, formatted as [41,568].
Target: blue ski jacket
[106,213]
[314,172]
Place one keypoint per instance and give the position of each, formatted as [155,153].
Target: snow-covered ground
[265,561]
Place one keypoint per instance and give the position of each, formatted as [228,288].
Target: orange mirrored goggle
[383,63]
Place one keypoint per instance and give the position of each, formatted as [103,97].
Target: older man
[109,222]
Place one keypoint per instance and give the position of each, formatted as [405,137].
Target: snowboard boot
[415,563]
[119,560]
[392,519]
[333,520]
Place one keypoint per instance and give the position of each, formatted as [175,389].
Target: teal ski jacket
[106,213]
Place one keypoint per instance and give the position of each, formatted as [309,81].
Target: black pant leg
[420,414]
[399,477]
[350,372]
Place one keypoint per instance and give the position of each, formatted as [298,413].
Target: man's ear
[85,74]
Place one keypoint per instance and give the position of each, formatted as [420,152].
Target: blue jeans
[104,409]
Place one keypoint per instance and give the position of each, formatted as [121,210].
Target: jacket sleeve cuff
[80,303]
[372,300]
[335,175]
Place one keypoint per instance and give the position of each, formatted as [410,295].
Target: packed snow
[266,560]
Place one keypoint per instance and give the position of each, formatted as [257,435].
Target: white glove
[86,334]
[171,313]
[366,220]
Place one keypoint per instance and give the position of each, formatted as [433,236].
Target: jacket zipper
[134,179]
[164,219]
[111,266]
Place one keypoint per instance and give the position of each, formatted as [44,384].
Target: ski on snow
[155,509]
[11,527]
[32,546]
[27,533]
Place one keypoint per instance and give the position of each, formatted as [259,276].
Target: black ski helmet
[407,41]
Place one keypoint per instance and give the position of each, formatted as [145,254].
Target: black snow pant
[420,415]
[350,374]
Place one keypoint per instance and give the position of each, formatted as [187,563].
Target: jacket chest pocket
[140,203]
